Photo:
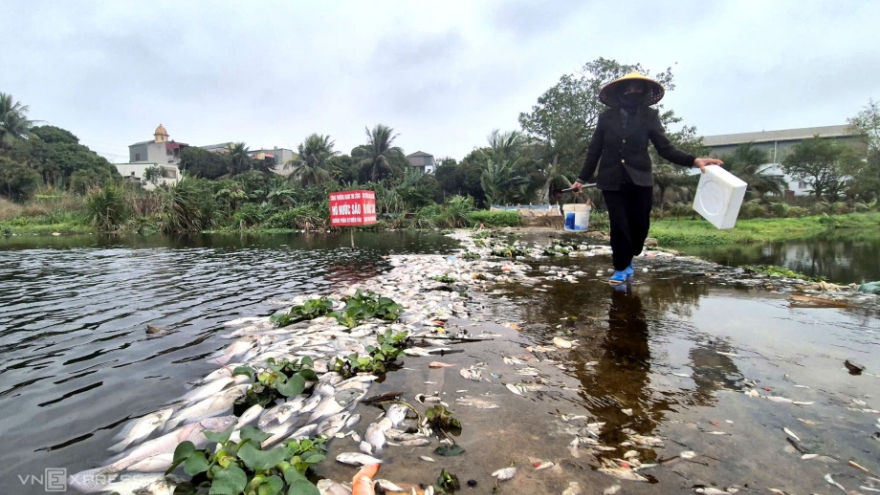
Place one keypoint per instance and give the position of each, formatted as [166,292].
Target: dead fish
[415,442]
[505,473]
[357,459]
[388,486]
[731,354]
[470,374]
[622,473]
[807,457]
[543,465]
[791,434]
[438,364]
[141,428]
[774,398]
[513,388]
[573,489]
[611,490]
[513,361]
[688,454]
[562,343]
[426,458]
[712,491]
[800,403]
[829,479]
[476,402]
[375,436]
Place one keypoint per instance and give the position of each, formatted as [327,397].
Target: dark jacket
[629,150]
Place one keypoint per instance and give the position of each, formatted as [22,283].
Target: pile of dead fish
[146,444]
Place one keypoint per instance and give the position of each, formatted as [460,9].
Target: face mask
[631,100]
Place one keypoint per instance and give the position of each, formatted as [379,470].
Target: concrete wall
[137,170]
[778,150]
[138,153]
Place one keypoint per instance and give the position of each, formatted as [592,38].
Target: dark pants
[629,212]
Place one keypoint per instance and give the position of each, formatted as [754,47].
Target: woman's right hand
[577,187]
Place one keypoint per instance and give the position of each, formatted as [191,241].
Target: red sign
[349,208]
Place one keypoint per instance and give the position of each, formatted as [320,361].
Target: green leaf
[254,434]
[244,370]
[272,486]
[303,487]
[181,453]
[196,463]
[449,450]
[220,437]
[292,475]
[314,458]
[307,361]
[292,387]
[308,375]
[260,460]
[228,481]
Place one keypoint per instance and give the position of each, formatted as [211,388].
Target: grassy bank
[688,231]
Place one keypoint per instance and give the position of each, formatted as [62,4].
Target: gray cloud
[443,75]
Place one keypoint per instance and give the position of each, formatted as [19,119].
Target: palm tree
[751,165]
[375,158]
[241,162]
[505,145]
[311,166]
[13,121]
[500,182]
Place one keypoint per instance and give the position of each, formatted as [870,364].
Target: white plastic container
[577,216]
[719,197]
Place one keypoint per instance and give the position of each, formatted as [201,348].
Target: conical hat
[653,90]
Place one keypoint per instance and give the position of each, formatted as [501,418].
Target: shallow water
[839,261]
[674,351]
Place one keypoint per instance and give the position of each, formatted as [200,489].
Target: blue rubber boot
[619,277]
[629,271]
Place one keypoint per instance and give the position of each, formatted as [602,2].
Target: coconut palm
[376,157]
[240,161]
[505,145]
[501,182]
[312,164]
[13,121]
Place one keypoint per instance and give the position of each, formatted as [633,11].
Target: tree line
[528,165]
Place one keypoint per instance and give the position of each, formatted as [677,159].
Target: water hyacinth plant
[244,467]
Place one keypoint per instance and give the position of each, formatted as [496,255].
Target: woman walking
[619,148]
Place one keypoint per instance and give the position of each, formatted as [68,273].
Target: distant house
[422,161]
[276,157]
[777,145]
[161,153]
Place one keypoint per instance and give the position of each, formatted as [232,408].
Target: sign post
[352,209]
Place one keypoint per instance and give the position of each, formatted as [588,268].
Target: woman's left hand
[702,163]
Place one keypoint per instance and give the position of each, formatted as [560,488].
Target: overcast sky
[442,74]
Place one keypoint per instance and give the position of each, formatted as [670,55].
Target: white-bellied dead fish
[212,406]
[563,343]
[375,436]
[791,434]
[396,413]
[332,425]
[330,487]
[141,428]
[154,464]
[236,348]
[477,402]
[505,474]
[471,374]
[336,403]
[357,459]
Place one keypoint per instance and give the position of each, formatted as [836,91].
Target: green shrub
[796,211]
[779,209]
[498,218]
[189,207]
[106,209]
[248,214]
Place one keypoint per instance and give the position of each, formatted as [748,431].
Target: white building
[160,153]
